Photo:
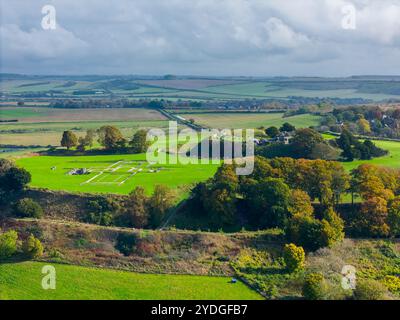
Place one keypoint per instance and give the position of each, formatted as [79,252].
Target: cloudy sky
[202,37]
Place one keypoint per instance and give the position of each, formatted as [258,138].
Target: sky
[201,37]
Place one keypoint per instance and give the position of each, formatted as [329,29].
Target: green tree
[87,140]
[304,141]
[111,138]
[394,216]
[139,142]
[345,142]
[306,231]
[372,218]
[314,287]
[89,137]
[300,203]
[272,132]
[287,127]
[160,202]
[5,165]
[268,202]
[364,126]
[69,139]
[294,257]
[226,178]
[15,179]
[220,204]
[32,247]
[136,211]
[333,227]
[28,208]
[8,244]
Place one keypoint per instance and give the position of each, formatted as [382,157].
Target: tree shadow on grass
[17,258]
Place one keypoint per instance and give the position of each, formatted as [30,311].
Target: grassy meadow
[22,281]
[176,176]
[392,159]
[250,120]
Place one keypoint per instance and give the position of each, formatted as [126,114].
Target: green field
[111,173]
[197,89]
[276,90]
[391,160]
[22,281]
[250,120]
[44,134]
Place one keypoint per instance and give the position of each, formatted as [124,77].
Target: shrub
[15,179]
[313,234]
[8,244]
[314,287]
[270,290]
[160,202]
[100,211]
[333,227]
[126,243]
[294,257]
[136,213]
[100,218]
[306,232]
[369,290]
[28,208]
[32,247]
[392,283]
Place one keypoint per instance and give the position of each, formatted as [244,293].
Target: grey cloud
[225,37]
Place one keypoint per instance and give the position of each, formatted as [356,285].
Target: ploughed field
[111,173]
[23,280]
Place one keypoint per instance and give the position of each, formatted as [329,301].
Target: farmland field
[44,126]
[111,173]
[198,89]
[43,114]
[275,90]
[23,281]
[250,120]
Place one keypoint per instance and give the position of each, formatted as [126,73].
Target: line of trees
[109,137]
[281,193]
[138,210]
[307,143]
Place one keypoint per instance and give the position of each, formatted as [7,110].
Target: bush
[126,243]
[15,179]
[392,283]
[306,232]
[369,290]
[8,244]
[28,208]
[99,211]
[294,257]
[313,234]
[270,290]
[314,287]
[100,218]
[32,247]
